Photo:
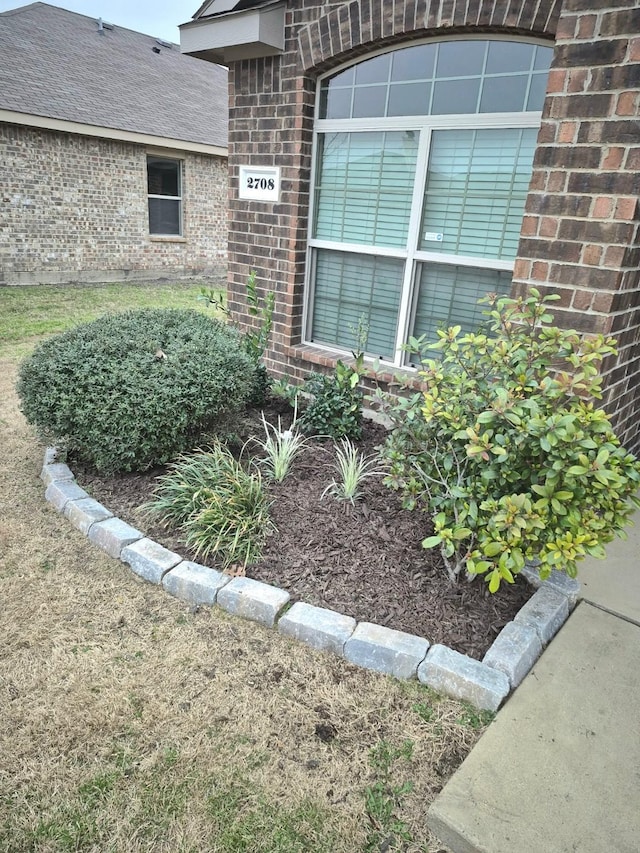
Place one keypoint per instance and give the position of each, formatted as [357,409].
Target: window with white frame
[164,180]
[423,157]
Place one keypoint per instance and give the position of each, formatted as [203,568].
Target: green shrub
[130,391]
[220,508]
[335,410]
[506,450]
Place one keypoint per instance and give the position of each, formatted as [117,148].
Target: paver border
[484,684]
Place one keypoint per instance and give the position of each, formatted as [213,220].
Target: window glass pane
[455,96]
[369,101]
[477,183]
[364,187]
[448,295]
[350,287]
[409,99]
[338,103]
[414,63]
[164,216]
[537,91]
[508,56]
[504,94]
[163,176]
[459,68]
[543,57]
[460,59]
[374,70]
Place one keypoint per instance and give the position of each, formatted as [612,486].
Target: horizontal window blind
[350,287]
[364,187]
[476,188]
[448,296]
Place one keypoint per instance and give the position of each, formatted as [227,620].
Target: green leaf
[494,581]
[492,549]
[431,541]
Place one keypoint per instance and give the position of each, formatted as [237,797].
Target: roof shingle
[57,64]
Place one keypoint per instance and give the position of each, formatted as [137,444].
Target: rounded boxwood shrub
[129,391]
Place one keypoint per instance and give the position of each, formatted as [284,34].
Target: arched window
[422,165]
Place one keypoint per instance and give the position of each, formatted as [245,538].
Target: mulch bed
[363,560]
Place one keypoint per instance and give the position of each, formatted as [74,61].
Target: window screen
[165,196]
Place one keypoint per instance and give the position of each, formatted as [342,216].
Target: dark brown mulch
[364,560]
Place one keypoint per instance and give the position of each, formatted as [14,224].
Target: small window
[164,179]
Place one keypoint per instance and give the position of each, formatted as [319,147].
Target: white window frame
[411,254]
[180,166]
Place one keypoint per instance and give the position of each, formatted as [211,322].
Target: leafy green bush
[221,508]
[506,450]
[132,390]
[335,409]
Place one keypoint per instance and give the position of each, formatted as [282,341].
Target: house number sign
[260,183]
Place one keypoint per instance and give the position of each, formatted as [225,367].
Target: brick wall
[74,208]
[580,233]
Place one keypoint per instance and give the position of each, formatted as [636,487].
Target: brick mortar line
[483,683]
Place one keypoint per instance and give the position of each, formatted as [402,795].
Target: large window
[423,161]
[164,180]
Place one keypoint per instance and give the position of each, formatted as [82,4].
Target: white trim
[469,121]
[180,164]
[64,126]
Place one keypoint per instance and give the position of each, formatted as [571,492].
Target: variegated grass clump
[280,447]
[353,468]
[220,507]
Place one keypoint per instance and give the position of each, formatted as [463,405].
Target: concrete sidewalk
[559,769]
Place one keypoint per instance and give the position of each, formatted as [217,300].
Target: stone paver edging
[485,684]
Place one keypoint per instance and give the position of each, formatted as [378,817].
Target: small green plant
[256,339]
[280,447]
[133,390]
[384,797]
[353,468]
[219,506]
[475,719]
[506,450]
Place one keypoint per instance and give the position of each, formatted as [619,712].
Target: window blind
[448,295]
[364,187]
[350,287]
[476,189]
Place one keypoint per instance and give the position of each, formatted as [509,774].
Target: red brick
[529,226]
[591,255]
[627,104]
[602,207]
[540,271]
[626,208]
[577,80]
[612,158]
[602,302]
[568,131]
[548,227]
[521,268]
[582,300]
[586,26]
[557,81]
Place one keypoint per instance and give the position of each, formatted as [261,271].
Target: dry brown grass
[130,723]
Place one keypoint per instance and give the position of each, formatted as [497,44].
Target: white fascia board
[249,34]
[64,126]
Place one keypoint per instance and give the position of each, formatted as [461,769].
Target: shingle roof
[57,64]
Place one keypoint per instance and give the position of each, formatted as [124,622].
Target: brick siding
[580,234]
[75,209]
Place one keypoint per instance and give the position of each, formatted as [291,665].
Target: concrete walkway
[559,769]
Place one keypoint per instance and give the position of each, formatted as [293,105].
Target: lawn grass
[27,314]
[132,723]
